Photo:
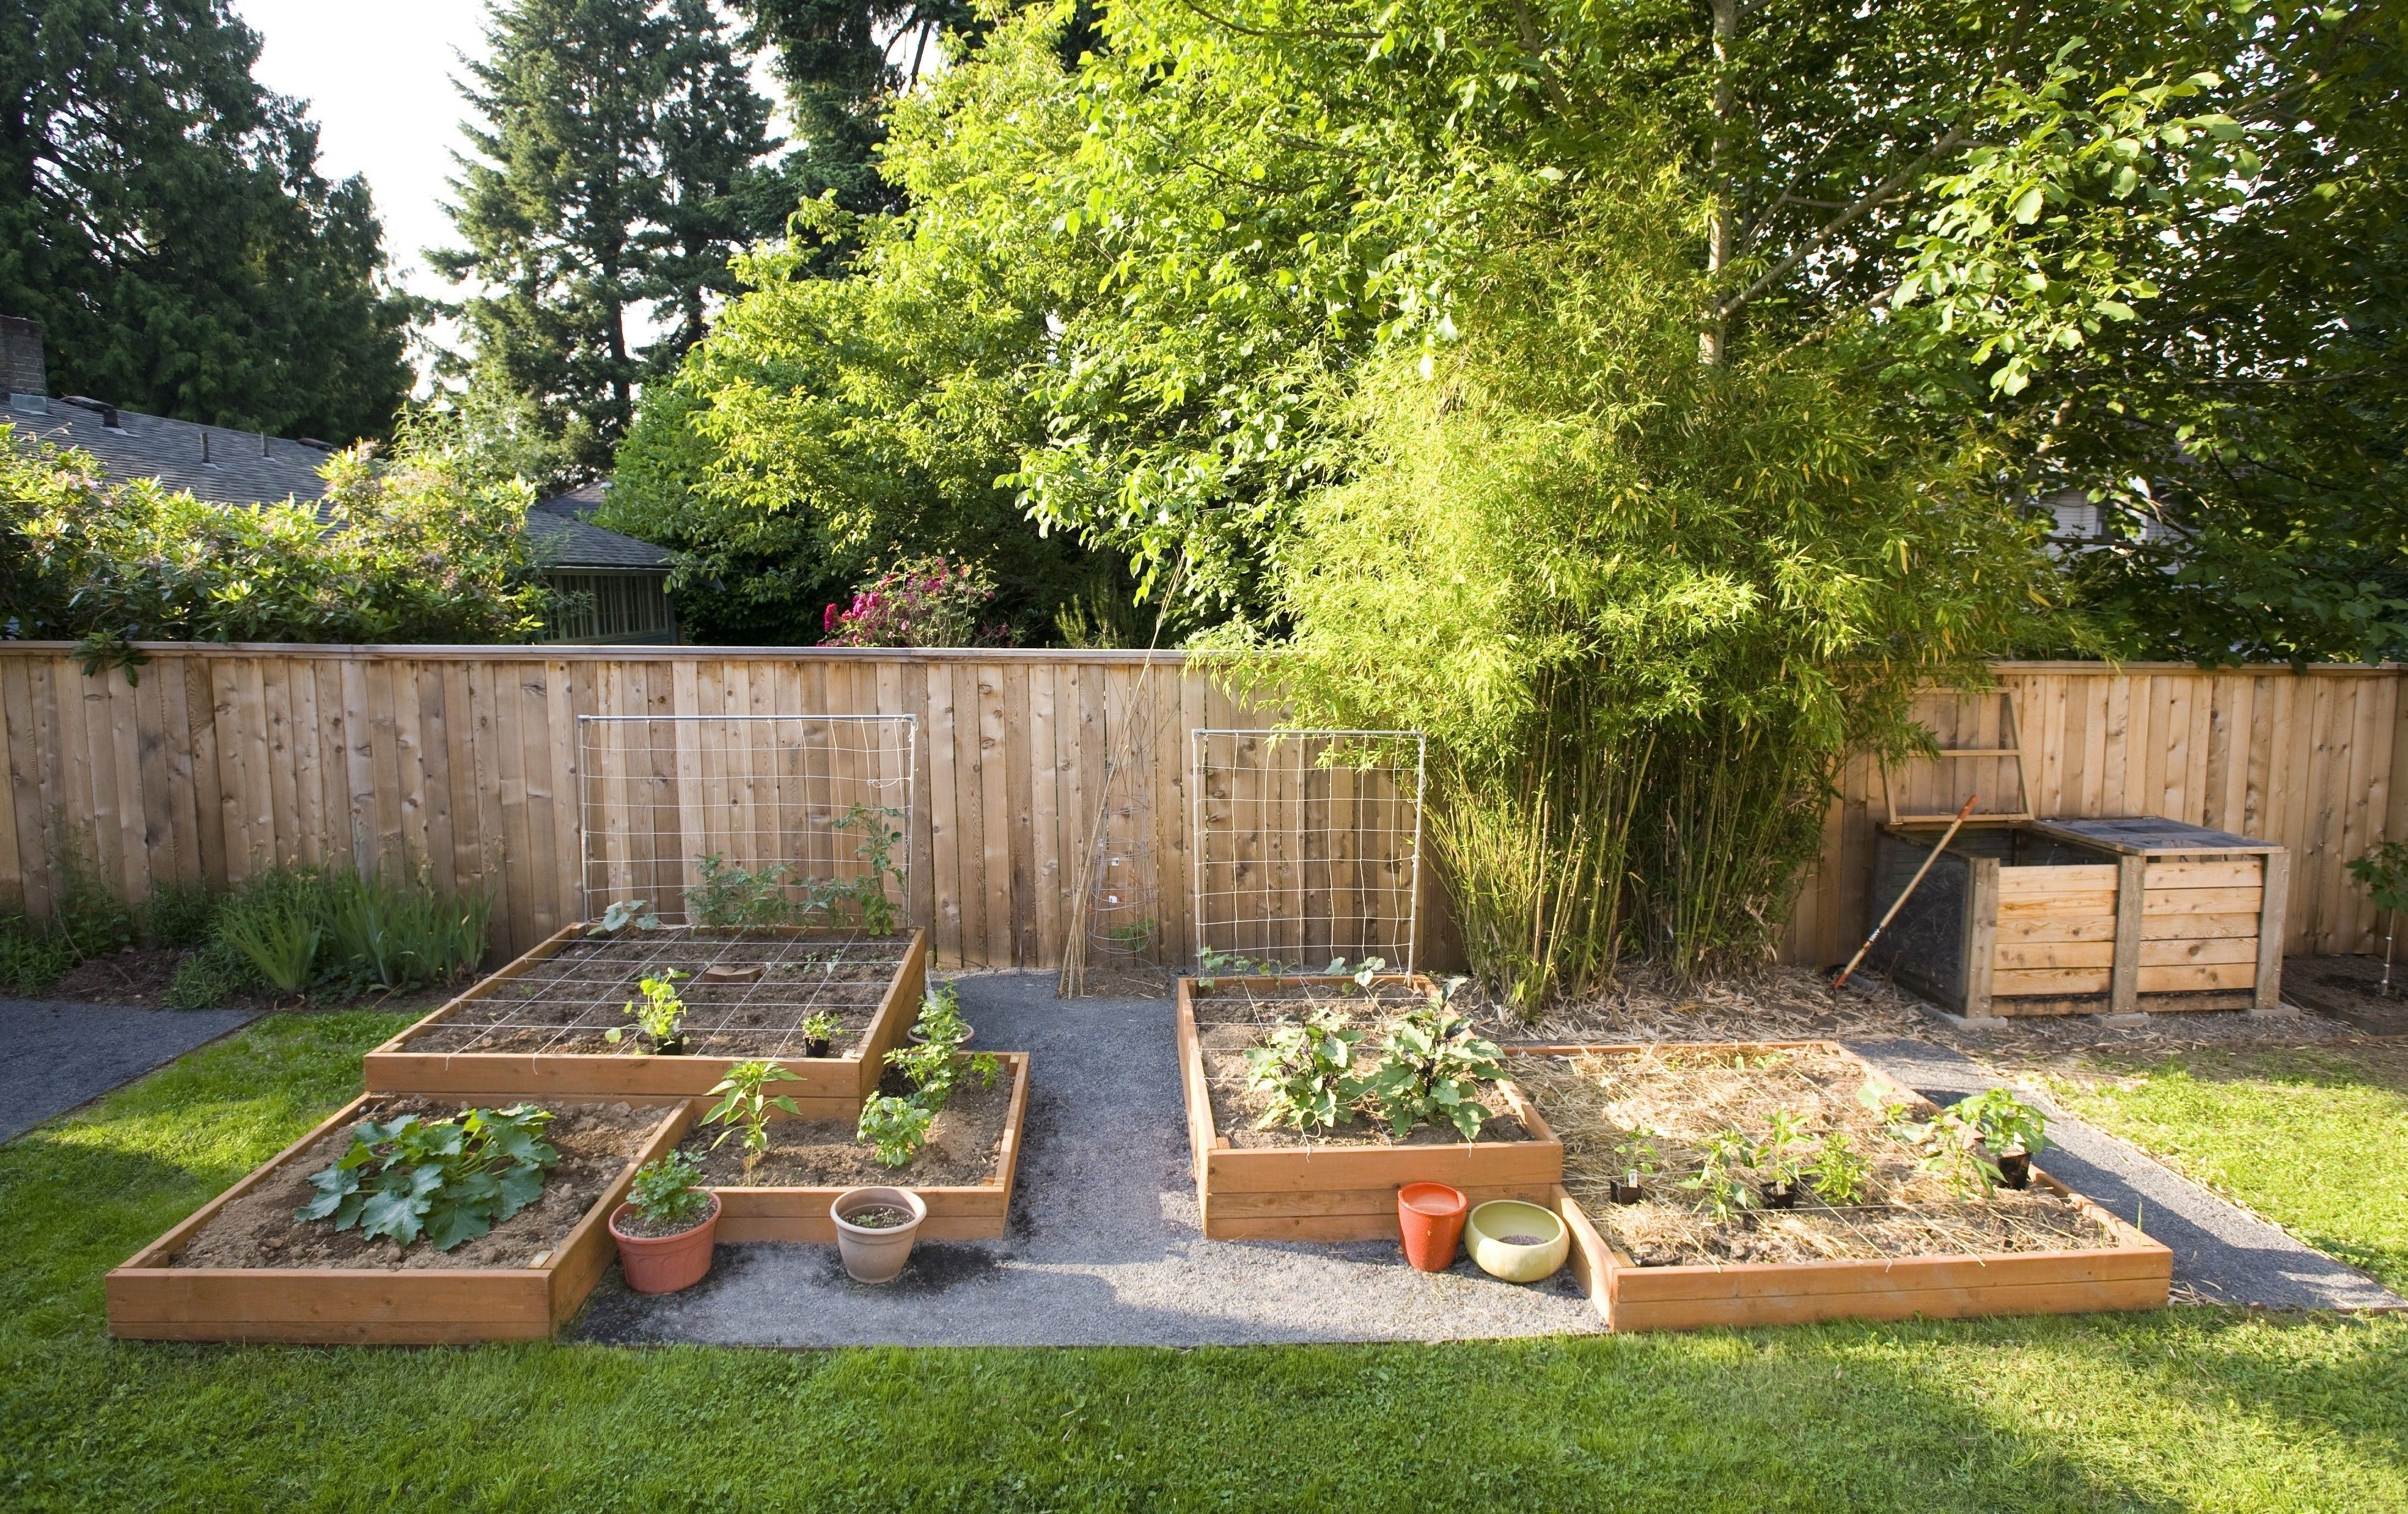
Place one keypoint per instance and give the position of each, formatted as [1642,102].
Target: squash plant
[660,1015]
[1306,1070]
[1432,1068]
[896,1128]
[449,1180]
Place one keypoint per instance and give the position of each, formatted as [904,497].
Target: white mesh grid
[658,792]
[1308,844]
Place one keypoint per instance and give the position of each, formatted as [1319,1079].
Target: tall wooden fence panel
[217,761]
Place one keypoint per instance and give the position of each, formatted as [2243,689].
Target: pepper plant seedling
[745,1100]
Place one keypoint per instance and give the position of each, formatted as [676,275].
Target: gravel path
[56,1056]
[1104,1247]
[2223,1254]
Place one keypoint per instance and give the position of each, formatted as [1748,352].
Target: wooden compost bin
[975,1212]
[1343,1193]
[826,1088]
[2077,917]
[149,1298]
[2135,1274]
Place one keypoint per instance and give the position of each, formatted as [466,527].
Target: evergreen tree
[164,218]
[616,168]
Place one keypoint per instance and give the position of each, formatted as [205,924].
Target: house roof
[567,539]
[243,467]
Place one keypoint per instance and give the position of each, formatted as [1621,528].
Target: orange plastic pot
[665,1263]
[1431,1217]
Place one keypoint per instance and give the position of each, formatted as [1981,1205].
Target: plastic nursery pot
[1431,1217]
[2014,1169]
[1780,1196]
[669,1046]
[816,1049]
[875,1254]
[1521,1243]
[665,1263]
[1627,1192]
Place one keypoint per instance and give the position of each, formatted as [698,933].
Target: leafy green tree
[619,165]
[163,217]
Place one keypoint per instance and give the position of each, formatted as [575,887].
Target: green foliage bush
[182,914]
[418,549]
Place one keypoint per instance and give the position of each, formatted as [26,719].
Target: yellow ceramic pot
[1518,1242]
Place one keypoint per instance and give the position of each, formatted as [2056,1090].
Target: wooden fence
[223,759]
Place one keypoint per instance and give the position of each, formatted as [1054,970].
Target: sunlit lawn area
[2189,1409]
[2307,1136]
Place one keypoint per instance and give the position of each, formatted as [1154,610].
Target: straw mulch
[1681,1097]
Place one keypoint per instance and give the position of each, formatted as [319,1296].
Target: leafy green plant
[1841,1174]
[394,935]
[1787,1147]
[867,891]
[729,897]
[659,1014]
[1952,1151]
[2383,870]
[668,1192]
[1305,1069]
[1211,964]
[745,1102]
[625,913]
[2007,1124]
[1364,972]
[182,914]
[281,942]
[1431,1068]
[202,982]
[1137,935]
[1721,1181]
[1636,1156]
[821,1026]
[940,1017]
[448,1180]
[896,1128]
[931,1067]
[33,955]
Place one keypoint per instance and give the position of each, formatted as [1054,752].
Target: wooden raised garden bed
[979,1129]
[1277,1185]
[203,1280]
[534,1028]
[2046,1251]
[2084,916]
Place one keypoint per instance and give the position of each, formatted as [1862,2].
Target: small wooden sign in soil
[963,1173]
[1275,1182]
[246,1268]
[1876,1227]
[540,1026]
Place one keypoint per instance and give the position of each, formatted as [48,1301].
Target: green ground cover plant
[2304,1135]
[2192,1409]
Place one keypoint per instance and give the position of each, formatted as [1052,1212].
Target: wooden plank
[2131,893]
[2269,980]
[2006,985]
[2043,883]
[2242,874]
[944,817]
[2087,905]
[2203,901]
[1979,960]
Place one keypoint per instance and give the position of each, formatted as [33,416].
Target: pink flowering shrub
[922,602]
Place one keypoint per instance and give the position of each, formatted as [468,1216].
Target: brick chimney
[21,364]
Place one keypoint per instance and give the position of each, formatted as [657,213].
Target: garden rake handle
[1899,902]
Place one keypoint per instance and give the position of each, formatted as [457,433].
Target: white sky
[378,77]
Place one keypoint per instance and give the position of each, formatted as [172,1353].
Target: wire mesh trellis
[658,794]
[1308,844]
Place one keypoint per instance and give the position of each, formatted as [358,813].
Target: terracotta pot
[665,1263]
[876,1254]
[1431,1217]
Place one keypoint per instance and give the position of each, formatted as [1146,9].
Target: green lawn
[2191,1408]
[2309,1137]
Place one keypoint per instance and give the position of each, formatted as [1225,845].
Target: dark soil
[596,1141]
[634,1223]
[2348,989]
[565,1003]
[140,976]
[964,1148]
[879,1216]
[134,975]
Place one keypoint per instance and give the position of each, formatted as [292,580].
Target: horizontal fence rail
[216,762]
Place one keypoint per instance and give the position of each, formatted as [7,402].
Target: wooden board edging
[148,1298]
[977,1211]
[826,1088]
[1334,1193]
[2137,1273]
